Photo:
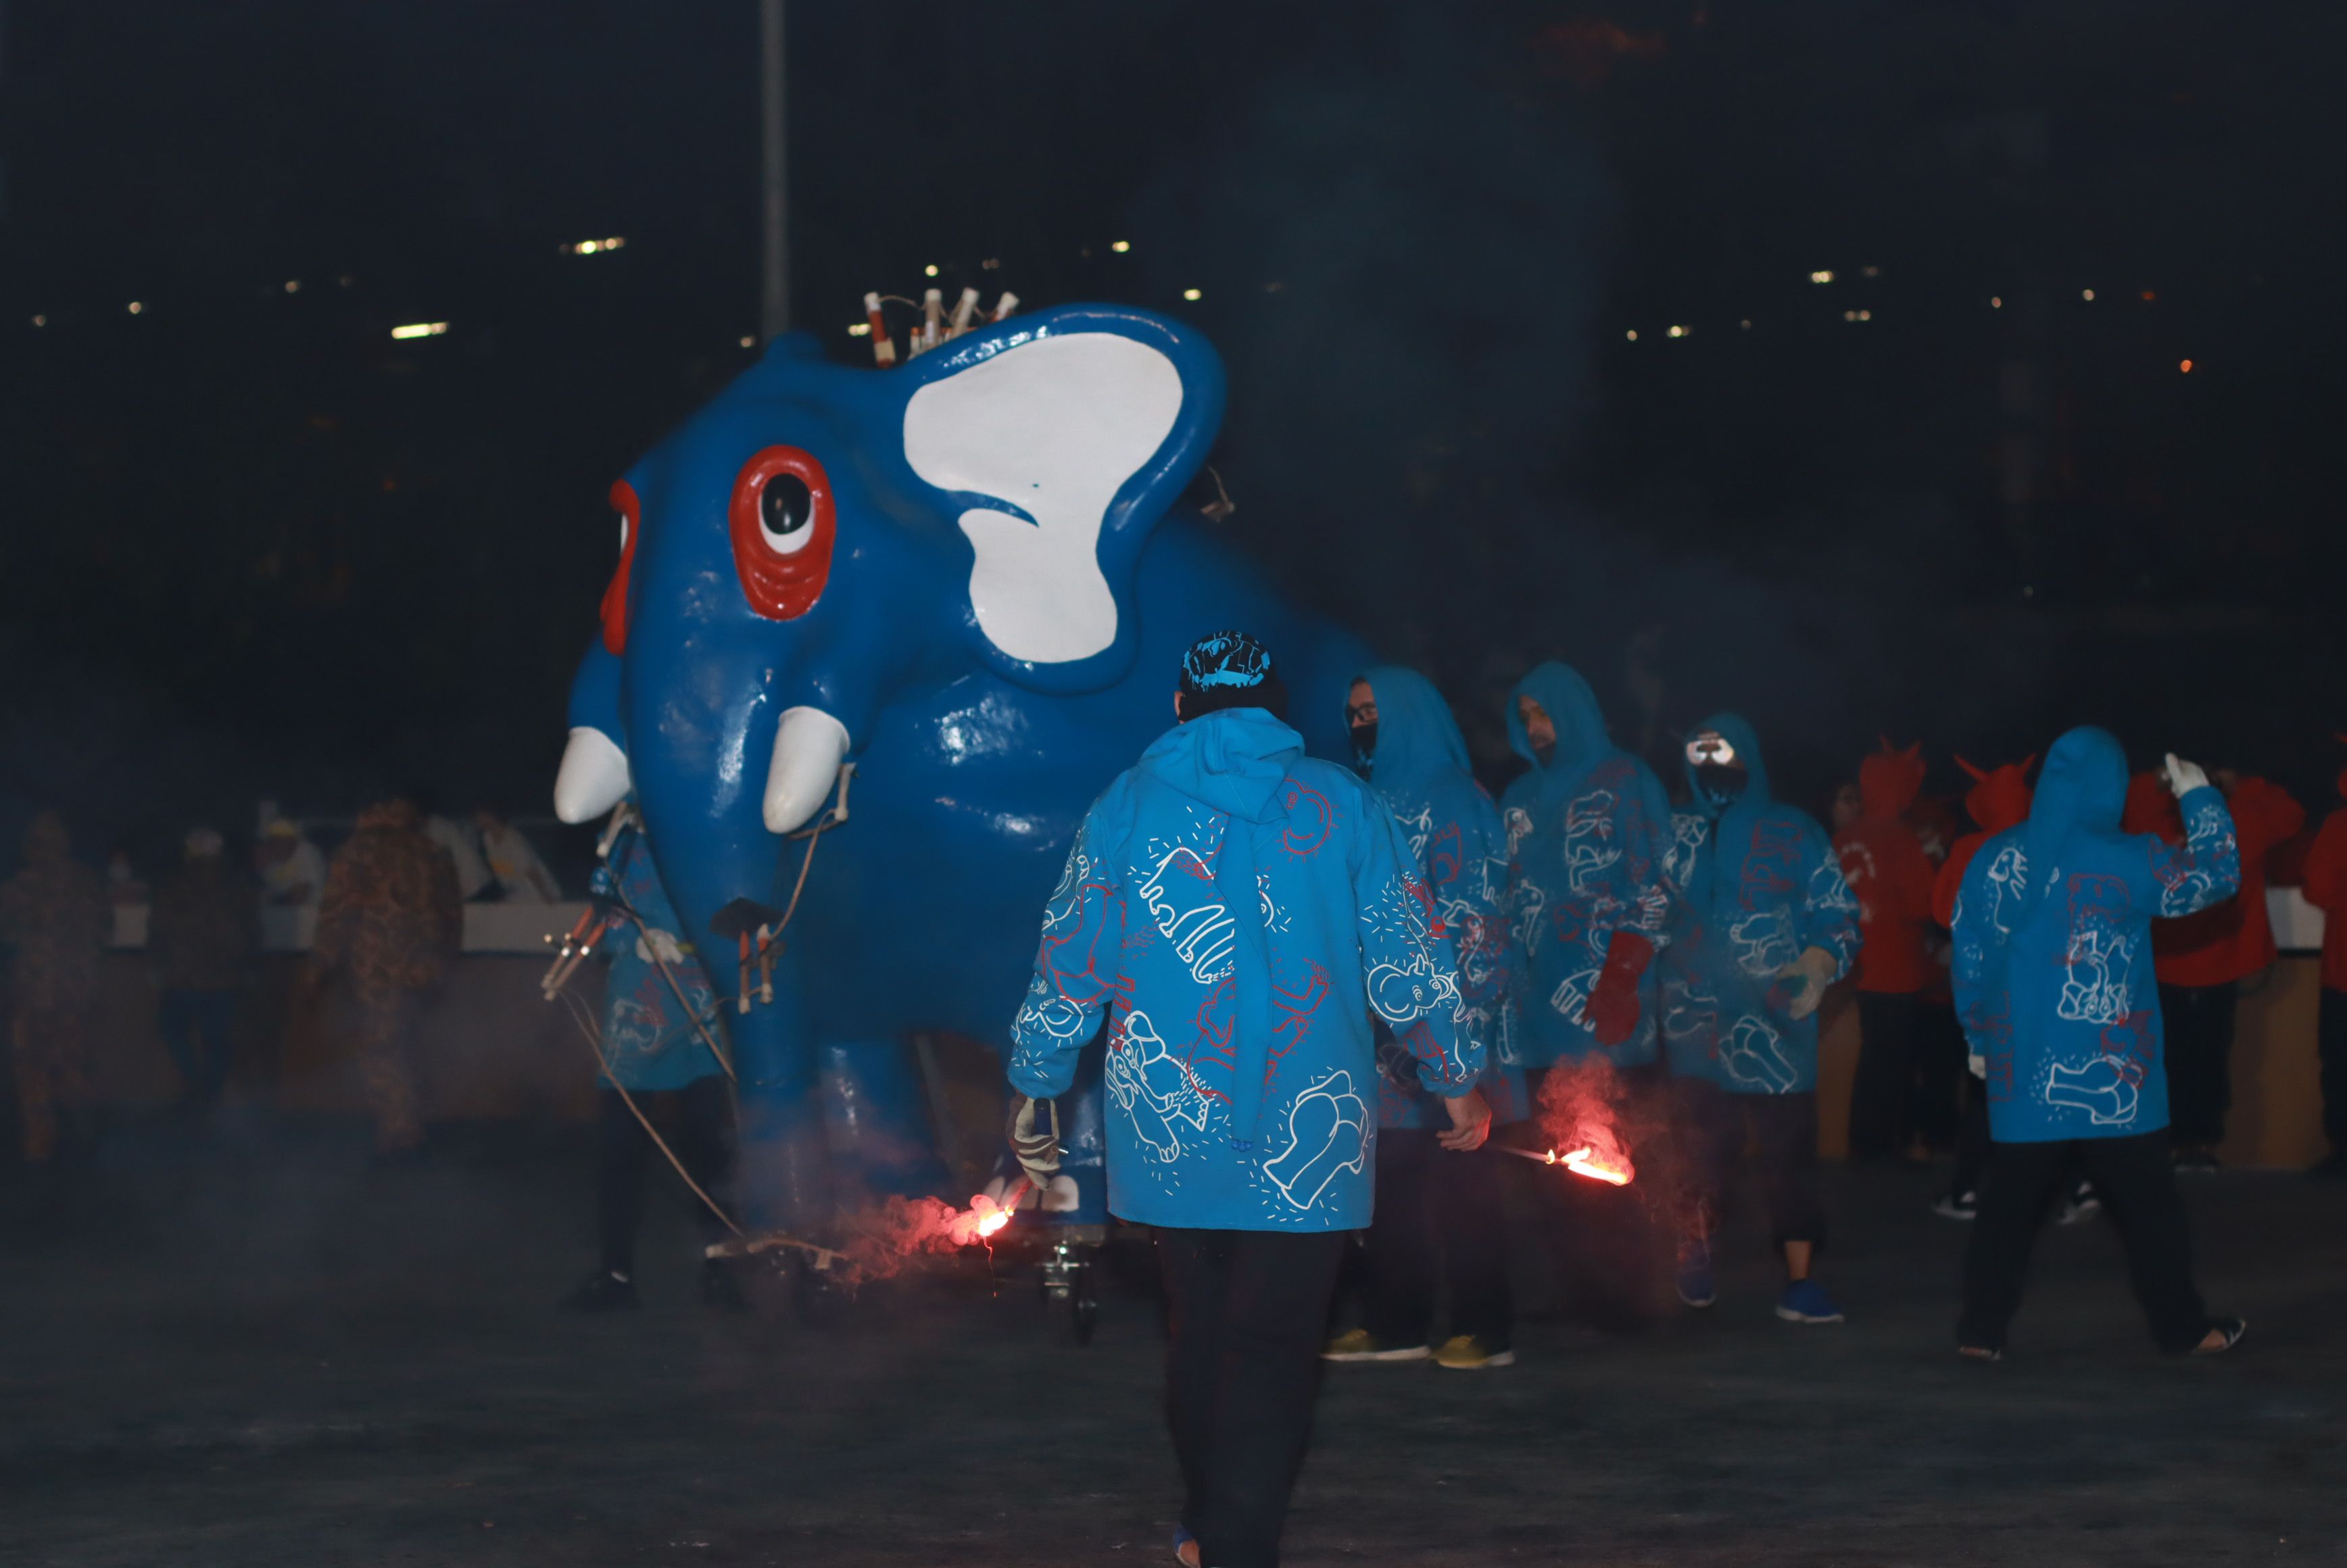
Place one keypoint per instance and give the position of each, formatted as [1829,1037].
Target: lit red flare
[988,1216]
[1582,1162]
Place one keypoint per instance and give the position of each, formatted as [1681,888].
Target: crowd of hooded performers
[1322,988]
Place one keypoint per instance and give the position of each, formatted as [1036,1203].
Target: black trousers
[1714,1127]
[702,1139]
[1941,1081]
[2330,1040]
[1247,1310]
[2199,1026]
[1439,1213]
[1972,1146]
[1881,1098]
[197,1027]
[2136,1178]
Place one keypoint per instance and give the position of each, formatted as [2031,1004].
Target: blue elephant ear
[1058,441]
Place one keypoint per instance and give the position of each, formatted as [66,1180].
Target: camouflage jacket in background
[56,914]
[390,917]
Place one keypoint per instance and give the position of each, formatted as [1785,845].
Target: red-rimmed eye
[615,597]
[783,521]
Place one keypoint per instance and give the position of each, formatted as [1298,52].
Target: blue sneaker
[1697,1286]
[1806,1301]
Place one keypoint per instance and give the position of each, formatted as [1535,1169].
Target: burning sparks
[1582,1161]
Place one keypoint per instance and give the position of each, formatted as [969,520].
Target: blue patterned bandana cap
[1225,662]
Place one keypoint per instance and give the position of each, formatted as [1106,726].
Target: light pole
[775,294]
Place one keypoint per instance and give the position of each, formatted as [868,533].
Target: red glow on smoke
[1581,1110]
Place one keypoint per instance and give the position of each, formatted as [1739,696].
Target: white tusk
[593,777]
[809,746]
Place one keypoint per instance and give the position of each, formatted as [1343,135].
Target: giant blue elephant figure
[960,575]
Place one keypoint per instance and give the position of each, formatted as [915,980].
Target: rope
[595,1043]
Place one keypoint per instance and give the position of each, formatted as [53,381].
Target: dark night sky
[255,546]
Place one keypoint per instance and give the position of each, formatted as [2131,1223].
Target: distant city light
[420,329]
[1866,316]
[1849,315]
[1869,271]
[1121,246]
[749,341]
[1632,335]
[855,329]
[40,321]
[138,307]
[1996,302]
[1822,275]
[2184,366]
[345,280]
[930,271]
[1746,324]
[293,285]
[992,263]
[1193,294]
[595,247]
[2088,295]
[2149,295]
[1679,332]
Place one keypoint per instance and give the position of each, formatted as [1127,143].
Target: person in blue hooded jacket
[661,1033]
[1589,831]
[1235,911]
[1768,924]
[1438,1214]
[2053,980]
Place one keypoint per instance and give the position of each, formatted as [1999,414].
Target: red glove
[1612,1009]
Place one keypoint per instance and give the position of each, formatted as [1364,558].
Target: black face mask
[1721,783]
[1365,745]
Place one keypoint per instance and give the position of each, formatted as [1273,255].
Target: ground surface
[264,1350]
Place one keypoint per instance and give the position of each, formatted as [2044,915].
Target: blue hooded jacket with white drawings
[651,1038]
[2052,971]
[1419,770]
[1588,830]
[1761,884]
[1235,909]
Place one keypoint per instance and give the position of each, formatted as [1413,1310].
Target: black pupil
[787,504]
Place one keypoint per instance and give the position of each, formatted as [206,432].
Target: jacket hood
[2081,790]
[1739,735]
[2151,808]
[1418,739]
[1231,759]
[1571,706]
[1889,780]
[1999,797]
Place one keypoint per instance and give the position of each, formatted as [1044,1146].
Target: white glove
[1979,1065]
[2184,777]
[1814,970]
[1038,1150]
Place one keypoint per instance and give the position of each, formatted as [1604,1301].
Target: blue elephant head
[820,540]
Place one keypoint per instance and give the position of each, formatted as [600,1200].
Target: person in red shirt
[1998,799]
[2324,884]
[2202,958]
[1884,864]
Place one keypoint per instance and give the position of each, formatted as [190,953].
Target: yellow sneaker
[1465,1353]
[1359,1345]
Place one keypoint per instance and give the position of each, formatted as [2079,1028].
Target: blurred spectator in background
[291,870]
[201,937]
[2325,887]
[2202,958]
[123,885]
[456,841]
[513,862]
[389,924]
[54,913]
[1884,864]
